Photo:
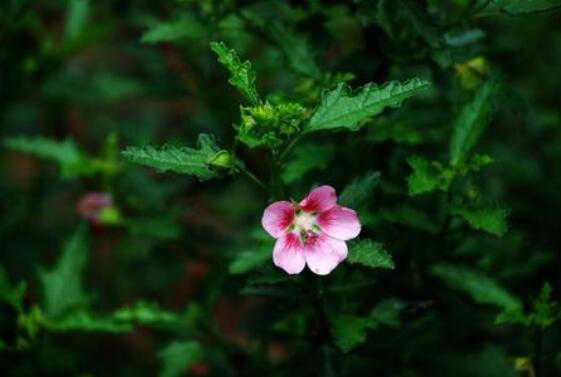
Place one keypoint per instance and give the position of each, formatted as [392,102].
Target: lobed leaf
[339,108]
[182,160]
[427,176]
[242,75]
[370,254]
[492,220]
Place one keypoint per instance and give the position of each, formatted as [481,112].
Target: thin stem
[289,147]
[253,177]
[321,332]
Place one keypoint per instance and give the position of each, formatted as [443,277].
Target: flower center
[305,222]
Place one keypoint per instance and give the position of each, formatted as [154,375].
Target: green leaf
[182,160]
[77,18]
[428,176]
[340,108]
[12,295]
[146,314]
[186,26]
[517,7]
[62,286]
[471,123]
[349,331]
[251,258]
[370,254]
[87,322]
[65,153]
[242,75]
[492,220]
[386,313]
[356,193]
[305,159]
[481,288]
[177,357]
[297,50]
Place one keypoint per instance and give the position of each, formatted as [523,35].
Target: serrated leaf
[471,123]
[242,75]
[349,331]
[356,193]
[427,176]
[186,26]
[177,357]
[492,220]
[62,286]
[65,153]
[182,160]
[339,108]
[481,288]
[370,254]
[306,159]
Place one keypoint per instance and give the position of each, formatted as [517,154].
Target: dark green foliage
[437,122]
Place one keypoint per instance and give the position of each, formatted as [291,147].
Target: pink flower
[311,232]
[91,205]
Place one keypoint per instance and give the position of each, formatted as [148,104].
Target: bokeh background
[158,279]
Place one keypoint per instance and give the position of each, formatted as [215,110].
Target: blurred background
[160,272]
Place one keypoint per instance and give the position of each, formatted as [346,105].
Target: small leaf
[177,357]
[242,75]
[471,123]
[76,19]
[147,314]
[349,331]
[370,254]
[182,160]
[251,259]
[86,322]
[356,193]
[492,220]
[65,153]
[428,176]
[386,313]
[12,295]
[340,108]
[62,286]
[481,288]
[518,7]
[186,26]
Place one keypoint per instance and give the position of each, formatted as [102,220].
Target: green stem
[289,147]
[253,177]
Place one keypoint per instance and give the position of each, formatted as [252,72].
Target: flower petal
[339,222]
[277,217]
[324,253]
[288,254]
[319,200]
